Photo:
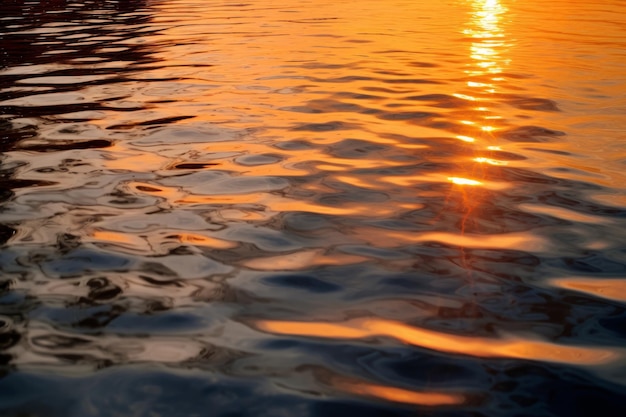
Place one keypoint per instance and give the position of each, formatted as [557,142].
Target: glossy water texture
[312,208]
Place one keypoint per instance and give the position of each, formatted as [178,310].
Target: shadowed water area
[312,209]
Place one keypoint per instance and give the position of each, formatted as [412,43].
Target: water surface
[385,208]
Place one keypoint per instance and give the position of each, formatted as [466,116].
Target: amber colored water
[313,208]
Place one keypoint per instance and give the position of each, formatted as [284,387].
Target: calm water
[312,208]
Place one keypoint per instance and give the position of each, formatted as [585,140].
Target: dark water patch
[492,219]
[325,127]
[418,64]
[355,96]
[441,100]
[67,242]
[143,391]
[81,315]
[161,121]
[66,145]
[551,151]
[303,221]
[411,81]
[101,289]
[345,79]
[194,165]
[593,262]
[559,386]
[50,110]
[409,116]
[521,175]
[351,79]
[376,253]
[5,285]
[386,90]
[8,339]
[322,65]
[502,156]
[9,136]
[6,233]
[54,342]
[158,322]
[530,134]
[11,184]
[303,282]
[82,261]
[330,106]
[352,194]
[537,104]
[256,160]
[568,200]
[357,148]
[293,145]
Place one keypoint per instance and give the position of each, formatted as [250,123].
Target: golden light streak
[508,346]
[490,161]
[608,288]
[463,181]
[465,97]
[466,138]
[118,238]
[399,394]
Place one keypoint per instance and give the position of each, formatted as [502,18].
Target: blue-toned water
[372,208]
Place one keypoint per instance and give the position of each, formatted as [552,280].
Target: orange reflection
[507,347]
[485,63]
[201,240]
[490,161]
[168,193]
[612,289]
[301,260]
[463,181]
[488,38]
[273,203]
[501,240]
[487,47]
[398,394]
[488,44]
[118,238]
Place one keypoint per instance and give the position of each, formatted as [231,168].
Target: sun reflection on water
[487,60]
[487,53]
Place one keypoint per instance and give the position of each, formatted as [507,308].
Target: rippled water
[314,208]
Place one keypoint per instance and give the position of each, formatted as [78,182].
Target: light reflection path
[487,62]
[506,347]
